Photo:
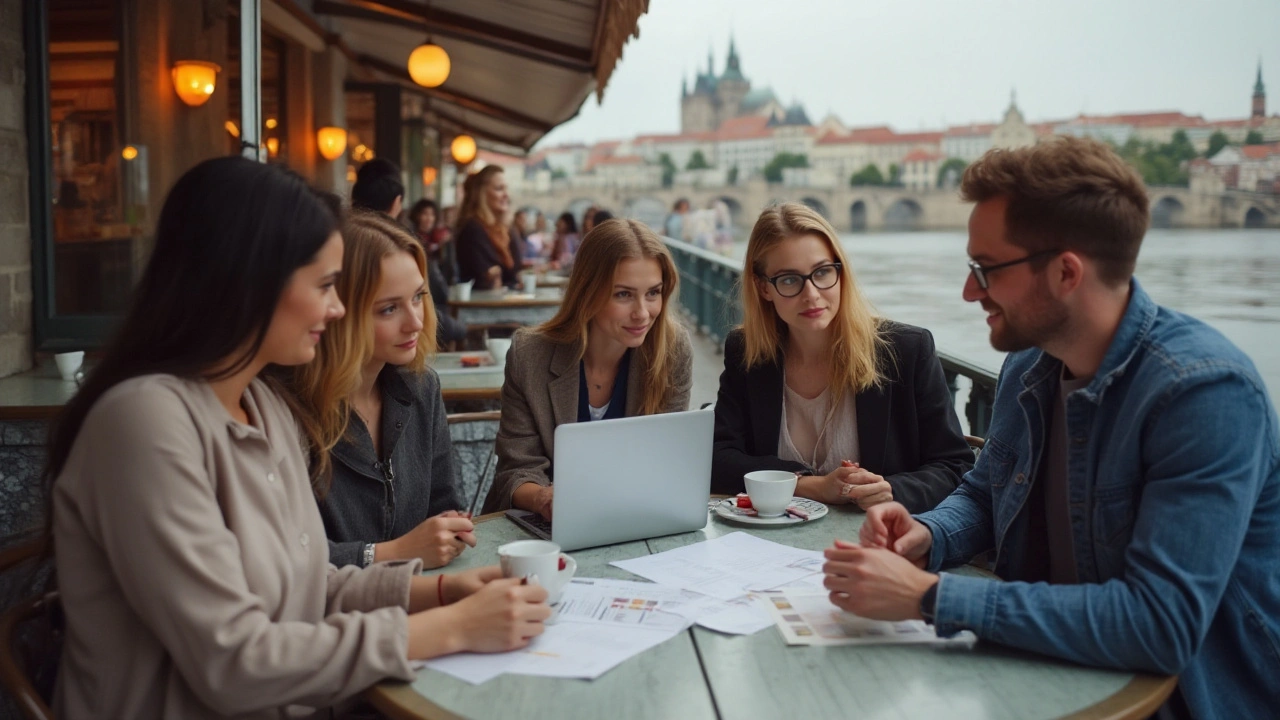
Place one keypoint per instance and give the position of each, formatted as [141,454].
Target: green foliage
[1253,138]
[952,164]
[697,161]
[773,171]
[559,174]
[869,175]
[733,175]
[1160,164]
[1217,141]
[668,170]
[895,176]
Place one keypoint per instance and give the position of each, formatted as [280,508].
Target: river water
[1228,278]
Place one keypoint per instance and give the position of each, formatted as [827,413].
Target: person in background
[537,241]
[1130,483]
[195,578]
[422,218]
[520,230]
[446,251]
[488,249]
[613,350]
[373,413]
[589,219]
[673,226]
[600,216]
[379,187]
[815,383]
[566,242]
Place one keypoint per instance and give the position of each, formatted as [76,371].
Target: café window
[97,182]
[362,140]
[274,107]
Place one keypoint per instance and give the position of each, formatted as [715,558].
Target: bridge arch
[650,211]
[858,216]
[1254,218]
[816,205]
[1167,212]
[735,209]
[904,214]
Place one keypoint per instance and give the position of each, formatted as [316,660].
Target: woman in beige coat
[190,554]
[613,350]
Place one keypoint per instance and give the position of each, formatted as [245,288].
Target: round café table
[704,674]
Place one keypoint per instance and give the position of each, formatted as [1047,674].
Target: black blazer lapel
[765,390]
[873,409]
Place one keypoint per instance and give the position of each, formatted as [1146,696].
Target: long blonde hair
[590,286]
[324,386]
[856,331]
[474,204]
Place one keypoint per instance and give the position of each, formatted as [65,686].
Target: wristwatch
[929,602]
[366,557]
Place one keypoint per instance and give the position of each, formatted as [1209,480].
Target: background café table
[491,307]
[459,382]
[703,674]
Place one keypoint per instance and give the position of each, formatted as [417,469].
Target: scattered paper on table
[727,567]
[807,617]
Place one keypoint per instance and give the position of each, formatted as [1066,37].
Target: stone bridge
[881,208]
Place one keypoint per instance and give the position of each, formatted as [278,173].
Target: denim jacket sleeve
[1208,449]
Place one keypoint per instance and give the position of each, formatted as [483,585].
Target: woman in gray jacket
[375,410]
[613,350]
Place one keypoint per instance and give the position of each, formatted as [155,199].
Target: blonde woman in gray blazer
[613,350]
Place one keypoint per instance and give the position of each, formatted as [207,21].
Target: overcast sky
[923,64]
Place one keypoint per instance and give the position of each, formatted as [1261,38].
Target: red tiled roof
[971,130]
[1260,152]
[1150,119]
[921,156]
[683,137]
[744,128]
[930,138]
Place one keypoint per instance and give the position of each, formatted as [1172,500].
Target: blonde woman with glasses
[613,350]
[813,382]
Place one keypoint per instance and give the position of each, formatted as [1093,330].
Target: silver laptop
[628,479]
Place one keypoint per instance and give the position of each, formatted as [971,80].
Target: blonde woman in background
[813,382]
[488,247]
[374,415]
[613,350]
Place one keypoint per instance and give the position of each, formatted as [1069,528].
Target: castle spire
[1258,88]
[711,62]
[1259,106]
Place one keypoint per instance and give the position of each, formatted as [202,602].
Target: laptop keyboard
[534,523]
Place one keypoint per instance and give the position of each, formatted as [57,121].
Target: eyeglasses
[823,277]
[980,272]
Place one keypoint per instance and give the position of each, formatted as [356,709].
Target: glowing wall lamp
[273,146]
[129,152]
[332,142]
[428,175]
[429,65]
[463,149]
[194,80]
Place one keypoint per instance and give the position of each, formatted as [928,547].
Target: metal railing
[710,296]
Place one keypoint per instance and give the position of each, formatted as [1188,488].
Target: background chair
[474,435]
[30,632]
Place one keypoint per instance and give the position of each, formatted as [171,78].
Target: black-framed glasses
[980,272]
[823,277]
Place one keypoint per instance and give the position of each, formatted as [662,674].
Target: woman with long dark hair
[194,572]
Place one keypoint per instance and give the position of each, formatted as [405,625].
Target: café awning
[519,67]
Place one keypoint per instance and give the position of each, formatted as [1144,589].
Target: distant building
[967,142]
[717,99]
[1259,109]
[1013,131]
[920,169]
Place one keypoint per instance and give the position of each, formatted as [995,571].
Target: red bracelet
[440,588]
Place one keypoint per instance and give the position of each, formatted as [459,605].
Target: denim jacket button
[1021,478]
[399,424]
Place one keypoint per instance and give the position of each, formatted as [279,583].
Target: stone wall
[15,230]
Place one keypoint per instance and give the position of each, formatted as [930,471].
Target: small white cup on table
[770,491]
[69,364]
[541,561]
[498,348]
[529,280]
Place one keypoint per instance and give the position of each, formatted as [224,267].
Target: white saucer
[728,510]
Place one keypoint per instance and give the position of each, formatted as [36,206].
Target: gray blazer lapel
[563,387]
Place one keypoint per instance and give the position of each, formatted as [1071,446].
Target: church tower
[732,87]
[1259,96]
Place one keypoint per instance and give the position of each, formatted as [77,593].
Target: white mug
[540,560]
[462,291]
[69,364]
[498,348]
[530,281]
[770,491]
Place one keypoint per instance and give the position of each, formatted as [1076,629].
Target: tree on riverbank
[869,175]
[1160,164]
[773,171]
[668,170]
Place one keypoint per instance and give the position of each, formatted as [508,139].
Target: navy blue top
[617,403]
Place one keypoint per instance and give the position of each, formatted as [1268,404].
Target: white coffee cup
[498,348]
[461,291]
[539,560]
[770,491]
[69,364]
[530,281]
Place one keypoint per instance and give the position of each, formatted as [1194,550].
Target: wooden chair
[15,676]
[975,444]
[474,436]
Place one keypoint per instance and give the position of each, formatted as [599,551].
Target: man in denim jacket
[1129,483]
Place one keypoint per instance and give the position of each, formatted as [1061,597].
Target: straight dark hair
[230,236]
[377,186]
